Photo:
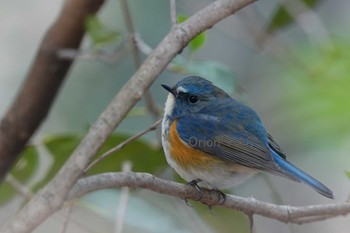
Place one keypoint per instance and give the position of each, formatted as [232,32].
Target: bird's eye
[192,99]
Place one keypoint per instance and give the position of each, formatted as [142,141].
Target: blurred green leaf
[23,171]
[99,33]
[347,174]
[27,165]
[282,18]
[60,147]
[318,95]
[224,220]
[197,42]
[7,192]
[182,18]
[143,156]
[138,111]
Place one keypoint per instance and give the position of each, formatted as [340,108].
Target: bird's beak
[171,90]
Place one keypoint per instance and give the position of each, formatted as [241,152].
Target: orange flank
[186,156]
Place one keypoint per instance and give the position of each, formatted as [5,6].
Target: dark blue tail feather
[298,174]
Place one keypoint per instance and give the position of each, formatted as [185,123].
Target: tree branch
[43,81]
[150,103]
[53,195]
[249,206]
[173,13]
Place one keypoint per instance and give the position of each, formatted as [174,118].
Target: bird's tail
[301,176]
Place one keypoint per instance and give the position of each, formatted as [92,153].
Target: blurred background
[289,60]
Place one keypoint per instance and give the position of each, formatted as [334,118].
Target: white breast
[168,110]
[169,105]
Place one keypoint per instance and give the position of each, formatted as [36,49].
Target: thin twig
[312,219]
[67,215]
[123,201]
[251,222]
[19,187]
[116,56]
[147,50]
[121,145]
[142,45]
[173,13]
[150,103]
[131,33]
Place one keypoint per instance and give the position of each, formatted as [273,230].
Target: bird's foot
[221,196]
[194,183]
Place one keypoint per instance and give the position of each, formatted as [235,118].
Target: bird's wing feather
[226,141]
[275,147]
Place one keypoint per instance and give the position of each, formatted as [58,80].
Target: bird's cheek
[178,110]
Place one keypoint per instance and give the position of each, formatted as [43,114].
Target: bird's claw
[194,183]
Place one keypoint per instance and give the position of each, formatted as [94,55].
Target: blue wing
[233,133]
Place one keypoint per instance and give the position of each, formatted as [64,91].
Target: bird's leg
[194,183]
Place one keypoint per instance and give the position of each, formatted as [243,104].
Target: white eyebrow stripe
[181,89]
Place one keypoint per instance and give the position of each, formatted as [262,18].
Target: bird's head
[192,94]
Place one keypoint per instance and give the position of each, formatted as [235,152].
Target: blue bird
[213,141]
